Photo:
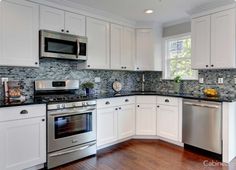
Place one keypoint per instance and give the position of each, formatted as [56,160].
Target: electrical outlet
[97,79]
[235,80]
[201,80]
[4,79]
[220,80]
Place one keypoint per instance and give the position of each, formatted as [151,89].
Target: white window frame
[165,57]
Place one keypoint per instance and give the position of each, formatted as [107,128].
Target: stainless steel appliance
[202,125]
[71,121]
[62,46]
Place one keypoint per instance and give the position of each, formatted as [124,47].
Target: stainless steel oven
[71,131]
[62,46]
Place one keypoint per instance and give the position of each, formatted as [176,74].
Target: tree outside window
[178,58]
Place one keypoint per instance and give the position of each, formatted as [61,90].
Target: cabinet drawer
[172,101]
[111,102]
[146,99]
[22,112]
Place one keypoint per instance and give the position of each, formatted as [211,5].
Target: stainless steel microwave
[62,46]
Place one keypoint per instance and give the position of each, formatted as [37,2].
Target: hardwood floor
[146,155]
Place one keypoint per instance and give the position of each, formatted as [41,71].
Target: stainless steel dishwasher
[202,125]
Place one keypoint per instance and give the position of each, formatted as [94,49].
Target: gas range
[71,121]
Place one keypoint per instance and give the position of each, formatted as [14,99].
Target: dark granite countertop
[133,93]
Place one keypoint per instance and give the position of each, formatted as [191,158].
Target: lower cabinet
[106,126]
[115,120]
[146,119]
[126,121]
[168,122]
[23,140]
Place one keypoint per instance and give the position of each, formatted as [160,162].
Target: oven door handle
[71,151]
[72,113]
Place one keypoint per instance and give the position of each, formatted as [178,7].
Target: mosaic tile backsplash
[62,69]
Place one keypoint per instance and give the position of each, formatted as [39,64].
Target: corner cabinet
[19,25]
[61,21]
[98,33]
[145,50]
[22,137]
[213,41]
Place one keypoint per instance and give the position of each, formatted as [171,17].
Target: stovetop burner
[60,98]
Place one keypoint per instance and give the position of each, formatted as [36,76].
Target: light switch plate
[201,80]
[97,79]
[220,80]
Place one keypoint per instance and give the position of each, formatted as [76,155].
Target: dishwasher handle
[202,105]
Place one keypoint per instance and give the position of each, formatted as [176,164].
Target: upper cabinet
[213,41]
[122,47]
[98,44]
[145,50]
[61,21]
[19,25]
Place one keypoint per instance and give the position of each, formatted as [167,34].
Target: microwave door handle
[78,47]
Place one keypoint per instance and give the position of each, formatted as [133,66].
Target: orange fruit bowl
[210,92]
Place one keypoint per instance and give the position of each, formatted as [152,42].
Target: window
[178,58]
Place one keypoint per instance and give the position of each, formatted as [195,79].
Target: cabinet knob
[167,100]
[122,67]
[67,31]
[119,108]
[43,120]
[126,100]
[36,63]
[137,68]
[158,106]
[88,65]
[23,112]
[206,65]
[116,108]
[62,30]
[125,67]
[212,65]
[107,103]
[137,105]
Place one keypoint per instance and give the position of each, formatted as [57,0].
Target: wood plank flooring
[146,155]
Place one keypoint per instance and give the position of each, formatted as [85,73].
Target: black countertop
[123,94]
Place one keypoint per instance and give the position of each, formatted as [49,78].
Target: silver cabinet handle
[71,151]
[167,100]
[126,100]
[201,105]
[107,103]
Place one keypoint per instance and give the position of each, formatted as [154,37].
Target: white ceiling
[166,11]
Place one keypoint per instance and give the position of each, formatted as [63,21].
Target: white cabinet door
[19,25]
[116,46]
[223,39]
[106,126]
[146,119]
[144,49]
[168,122]
[22,143]
[127,59]
[52,19]
[126,121]
[201,42]
[74,24]
[98,44]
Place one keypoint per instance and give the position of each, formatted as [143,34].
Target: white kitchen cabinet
[128,58]
[213,41]
[223,39]
[144,50]
[22,137]
[122,47]
[146,119]
[98,44]
[19,25]
[201,42]
[106,125]
[117,45]
[60,21]
[52,19]
[168,122]
[126,121]
[75,23]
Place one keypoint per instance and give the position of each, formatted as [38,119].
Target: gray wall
[177,29]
